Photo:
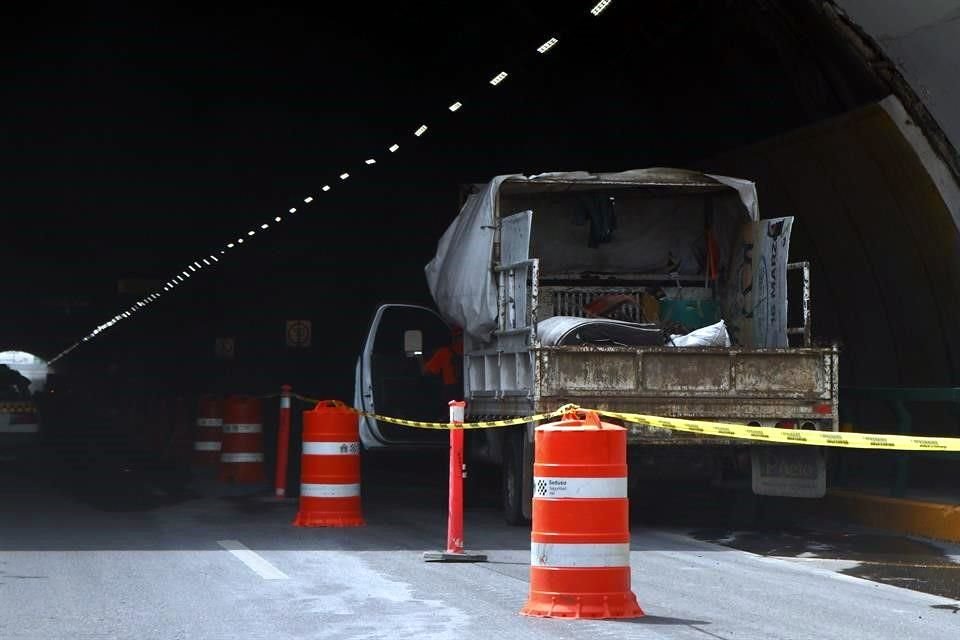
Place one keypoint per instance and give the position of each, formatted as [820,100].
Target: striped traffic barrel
[208,432]
[241,451]
[580,538]
[330,467]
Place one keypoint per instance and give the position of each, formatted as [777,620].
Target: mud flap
[792,472]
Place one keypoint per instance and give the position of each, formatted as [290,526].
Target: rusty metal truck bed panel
[796,374]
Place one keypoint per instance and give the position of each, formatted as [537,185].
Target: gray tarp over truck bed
[460,278]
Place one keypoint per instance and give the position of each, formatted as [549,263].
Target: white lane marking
[254,561]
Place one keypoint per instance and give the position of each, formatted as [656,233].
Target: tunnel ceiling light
[457,105]
[546,46]
[599,7]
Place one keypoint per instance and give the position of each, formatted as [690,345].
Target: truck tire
[512,477]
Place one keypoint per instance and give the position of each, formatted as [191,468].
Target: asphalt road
[113,553]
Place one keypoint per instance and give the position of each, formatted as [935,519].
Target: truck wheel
[512,475]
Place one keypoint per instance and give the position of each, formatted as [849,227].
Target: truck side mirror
[413,342]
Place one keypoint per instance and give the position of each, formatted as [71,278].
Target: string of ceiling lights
[210,260]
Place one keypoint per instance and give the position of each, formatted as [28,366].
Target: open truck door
[797,472]
[391,379]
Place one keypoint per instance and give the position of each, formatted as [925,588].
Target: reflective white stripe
[19,428]
[547,554]
[544,487]
[209,422]
[206,446]
[241,457]
[242,428]
[285,403]
[331,448]
[330,490]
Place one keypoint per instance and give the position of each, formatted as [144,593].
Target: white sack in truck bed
[461,277]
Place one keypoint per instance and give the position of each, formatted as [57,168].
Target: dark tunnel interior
[143,139]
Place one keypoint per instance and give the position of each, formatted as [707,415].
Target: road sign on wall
[224,348]
[299,333]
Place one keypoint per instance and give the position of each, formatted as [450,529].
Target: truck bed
[737,385]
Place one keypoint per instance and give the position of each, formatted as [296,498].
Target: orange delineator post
[283,443]
[241,453]
[458,471]
[455,504]
[580,538]
[330,467]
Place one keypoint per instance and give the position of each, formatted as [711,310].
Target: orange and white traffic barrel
[241,451]
[209,431]
[330,468]
[580,538]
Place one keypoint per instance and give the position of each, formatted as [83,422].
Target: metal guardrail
[898,400]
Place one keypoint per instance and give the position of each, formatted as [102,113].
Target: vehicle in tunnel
[22,375]
[582,288]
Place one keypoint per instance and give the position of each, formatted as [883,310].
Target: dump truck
[653,291]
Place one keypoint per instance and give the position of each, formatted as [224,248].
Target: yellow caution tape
[847,440]
[484,424]
[17,407]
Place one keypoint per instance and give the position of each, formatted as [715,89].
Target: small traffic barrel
[209,432]
[330,467]
[580,538]
[241,451]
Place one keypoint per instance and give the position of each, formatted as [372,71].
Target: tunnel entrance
[32,367]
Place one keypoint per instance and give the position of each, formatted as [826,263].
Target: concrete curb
[928,519]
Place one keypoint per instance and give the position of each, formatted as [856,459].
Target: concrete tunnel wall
[873,218]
